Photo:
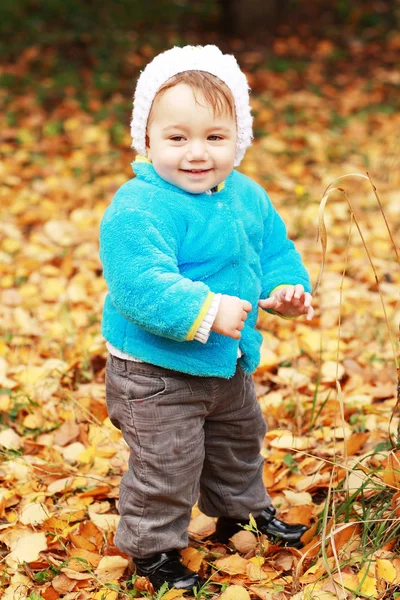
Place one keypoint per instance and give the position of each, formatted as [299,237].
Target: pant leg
[231,482]
[164,431]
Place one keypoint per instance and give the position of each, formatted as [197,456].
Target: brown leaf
[68,432]
[201,526]
[63,584]
[244,541]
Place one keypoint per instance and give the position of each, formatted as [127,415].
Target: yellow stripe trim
[142,159]
[220,186]
[279,287]
[200,316]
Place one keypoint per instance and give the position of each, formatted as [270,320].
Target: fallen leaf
[27,548]
[67,433]
[367,584]
[297,498]
[173,595]
[331,370]
[10,440]
[233,564]
[63,584]
[111,568]
[244,541]
[104,521]
[192,558]
[106,594]
[262,591]
[17,588]
[235,592]
[201,526]
[385,570]
[34,513]
[293,442]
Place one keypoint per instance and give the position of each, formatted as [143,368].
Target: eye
[177,138]
[215,138]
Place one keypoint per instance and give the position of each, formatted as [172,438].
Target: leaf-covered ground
[327,388]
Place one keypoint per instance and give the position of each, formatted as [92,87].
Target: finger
[268,302]
[244,315]
[298,291]
[310,313]
[246,306]
[236,335]
[240,327]
[307,299]
[289,294]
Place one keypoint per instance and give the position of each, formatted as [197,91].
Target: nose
[197,151]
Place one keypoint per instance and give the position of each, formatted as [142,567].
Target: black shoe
[267,523]
[167,567]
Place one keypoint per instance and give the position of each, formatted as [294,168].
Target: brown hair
[215,91]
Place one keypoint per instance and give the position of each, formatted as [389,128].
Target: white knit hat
[192,58]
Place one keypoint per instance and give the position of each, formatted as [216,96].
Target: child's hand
[290,301]
[231,316]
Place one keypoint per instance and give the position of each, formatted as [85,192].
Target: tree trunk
[251,17]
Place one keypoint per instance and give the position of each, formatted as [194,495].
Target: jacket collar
[143,168]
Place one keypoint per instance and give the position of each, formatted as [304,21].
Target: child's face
[189,146]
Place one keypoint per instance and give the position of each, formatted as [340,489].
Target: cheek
[227,159]
[167,158]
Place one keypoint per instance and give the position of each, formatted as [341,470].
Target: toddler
[191,248]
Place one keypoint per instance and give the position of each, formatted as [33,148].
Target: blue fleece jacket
[166,252]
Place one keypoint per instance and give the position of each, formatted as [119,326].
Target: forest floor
[327,388]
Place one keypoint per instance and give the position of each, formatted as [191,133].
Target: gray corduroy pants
[187,435]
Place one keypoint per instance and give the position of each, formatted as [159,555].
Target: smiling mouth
[196,170]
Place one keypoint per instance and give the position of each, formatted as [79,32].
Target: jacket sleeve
[280,261]
[139,254]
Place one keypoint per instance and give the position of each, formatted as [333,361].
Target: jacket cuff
[203,332]
[199,319]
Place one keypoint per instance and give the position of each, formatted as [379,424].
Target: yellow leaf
[255,573]
[87,455]
[105,594]
[257,560]
[367,584]
[11,245]
[172,594]
[235,592]
[34,420]
[53,289]
[234,565]
[192,558]
[386,570]
[253,521]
